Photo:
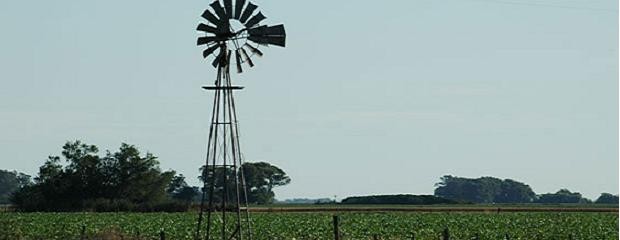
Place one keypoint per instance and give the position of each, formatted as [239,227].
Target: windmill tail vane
[224,212]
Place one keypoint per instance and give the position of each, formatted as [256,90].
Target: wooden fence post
[336,227]
[446,234]
[83,233]
[162,235]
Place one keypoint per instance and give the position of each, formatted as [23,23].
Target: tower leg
[223,171]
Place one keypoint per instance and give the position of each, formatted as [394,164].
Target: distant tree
[119,181]
[514,192]
[219,180]
[260,179]
[484,190]
[11,182]
[397,199]
[178,189]
[607,198]
[562,196]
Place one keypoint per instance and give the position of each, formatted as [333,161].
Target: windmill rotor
[220,37]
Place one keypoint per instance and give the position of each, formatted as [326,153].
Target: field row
[319,225]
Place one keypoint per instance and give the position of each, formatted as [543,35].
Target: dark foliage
[484,190]
[120,181]
[10,182]
[260,179]
[398,199]
[562,196]
[607,198]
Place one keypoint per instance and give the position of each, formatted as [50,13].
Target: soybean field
[362,225]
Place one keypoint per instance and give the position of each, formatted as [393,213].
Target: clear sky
[368,97]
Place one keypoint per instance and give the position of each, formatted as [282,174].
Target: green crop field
[319,225]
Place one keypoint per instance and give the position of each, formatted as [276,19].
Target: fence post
[83,233]
[446,234]
[336,227]
[413,236]
[162,235]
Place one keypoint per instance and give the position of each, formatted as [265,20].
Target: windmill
[224,196]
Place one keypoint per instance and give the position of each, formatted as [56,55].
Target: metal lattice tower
[224,212]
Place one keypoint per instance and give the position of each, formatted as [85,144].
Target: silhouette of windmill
[224,206]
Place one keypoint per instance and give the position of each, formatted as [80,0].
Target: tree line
[399,199]
[495,190]
[125,180]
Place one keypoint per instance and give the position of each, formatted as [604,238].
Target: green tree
[514,192]
[123,180]
[607,198]
[260,180]
[179,189]
[397,199]
[562,196]
[10,182]
[484,190]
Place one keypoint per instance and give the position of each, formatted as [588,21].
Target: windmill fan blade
[218,10]
[218,60]
[210,50]
[255,20]
[247,12]
[210,17]
[267,31]
[277,30]
[254,50]
[238,58]
[272,40]
[238,8]
[258,31]
[206,28]
[247,58]
[205,40]
[228,7]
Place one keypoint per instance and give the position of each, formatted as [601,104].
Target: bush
[398,199]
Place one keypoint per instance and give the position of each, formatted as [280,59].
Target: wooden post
[336,227]
[83,233]
[413,236]
[162,235]
[446,234]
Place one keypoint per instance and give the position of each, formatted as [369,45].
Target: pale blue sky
[368,97]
